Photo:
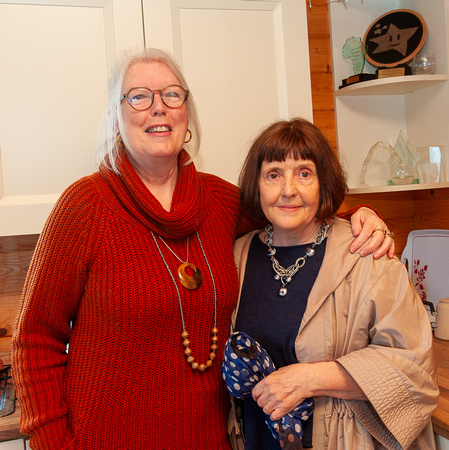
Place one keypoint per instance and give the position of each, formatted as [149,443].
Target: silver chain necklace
[286,274]
[185,282]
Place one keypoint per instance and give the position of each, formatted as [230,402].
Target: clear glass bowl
[424,64]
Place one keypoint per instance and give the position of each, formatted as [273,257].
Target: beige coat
[365,314]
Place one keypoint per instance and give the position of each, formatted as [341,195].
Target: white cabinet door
[246,61]
[247,64]
[55,56]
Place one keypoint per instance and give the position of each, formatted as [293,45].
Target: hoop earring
[119,140]
[189,138]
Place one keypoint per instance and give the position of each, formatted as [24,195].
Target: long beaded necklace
[283,274]
[192,281]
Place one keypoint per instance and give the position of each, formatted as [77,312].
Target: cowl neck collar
[189,204]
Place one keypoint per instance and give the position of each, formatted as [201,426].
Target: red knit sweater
[98,283]
[125,383]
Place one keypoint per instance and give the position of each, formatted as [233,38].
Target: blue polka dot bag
[245,364]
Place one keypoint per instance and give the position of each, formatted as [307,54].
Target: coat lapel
[337,263]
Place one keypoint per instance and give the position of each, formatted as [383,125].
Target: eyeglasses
[142,98]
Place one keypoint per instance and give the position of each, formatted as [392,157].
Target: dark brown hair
[297,138]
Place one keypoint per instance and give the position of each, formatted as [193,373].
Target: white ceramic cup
[442,329]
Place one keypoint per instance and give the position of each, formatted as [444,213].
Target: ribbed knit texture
[125,383]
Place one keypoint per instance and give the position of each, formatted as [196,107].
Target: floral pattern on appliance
[420,276]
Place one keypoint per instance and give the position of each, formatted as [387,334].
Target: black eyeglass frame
[153,91]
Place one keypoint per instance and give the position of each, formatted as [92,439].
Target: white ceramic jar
[442,329]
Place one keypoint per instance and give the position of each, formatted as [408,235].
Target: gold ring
[385,232]
[268,409]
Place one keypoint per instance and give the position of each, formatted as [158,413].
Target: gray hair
[112,122]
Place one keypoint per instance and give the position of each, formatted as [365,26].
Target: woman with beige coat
[351,333]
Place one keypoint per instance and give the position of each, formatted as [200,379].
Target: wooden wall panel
[396,209]
[322,93]
[321,69]
[431,209]
[320,61]
[326,125]
[318,18]
[8,311]
[406,211]
[15,257]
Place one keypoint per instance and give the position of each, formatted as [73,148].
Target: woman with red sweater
[134,270]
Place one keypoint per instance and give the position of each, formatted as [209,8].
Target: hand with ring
[365,223]
[385,232]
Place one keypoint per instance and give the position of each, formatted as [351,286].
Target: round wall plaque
[394,38]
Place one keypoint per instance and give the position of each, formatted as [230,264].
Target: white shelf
[397,188]
[377,110]
[391,86]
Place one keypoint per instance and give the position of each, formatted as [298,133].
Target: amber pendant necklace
[189,274]
[191,278]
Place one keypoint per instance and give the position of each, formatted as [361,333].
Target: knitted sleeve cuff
[54,434]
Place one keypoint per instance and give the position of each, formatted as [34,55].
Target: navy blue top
[274,322]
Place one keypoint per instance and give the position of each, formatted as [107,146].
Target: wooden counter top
[9,426]
[440,419]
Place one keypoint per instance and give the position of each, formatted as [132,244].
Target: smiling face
[160,131]
[289,198]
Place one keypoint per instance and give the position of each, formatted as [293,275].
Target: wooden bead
[209,363]
[194,365]
[190,359]
[188,351]
[202,367]
[215,330]
[212,356]
[185,335]
[214,339]
[186,342]
[214,347]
